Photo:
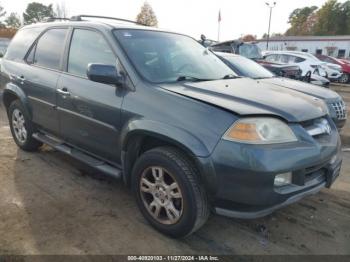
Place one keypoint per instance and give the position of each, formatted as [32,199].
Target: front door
[89,112]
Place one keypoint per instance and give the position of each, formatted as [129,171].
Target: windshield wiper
[191,78]
[231,76]
[260,77]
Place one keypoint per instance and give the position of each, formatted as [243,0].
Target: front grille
[340,110]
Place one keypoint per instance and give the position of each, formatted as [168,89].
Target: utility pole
[219,21]
[268,32]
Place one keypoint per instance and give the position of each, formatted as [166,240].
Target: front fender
[184,139]
[11,90]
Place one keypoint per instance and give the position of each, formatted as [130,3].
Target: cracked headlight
[260,130]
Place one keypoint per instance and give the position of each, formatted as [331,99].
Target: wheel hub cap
[161,195]
[18,125]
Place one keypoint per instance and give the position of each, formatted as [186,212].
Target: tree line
[37,12]
[333,18]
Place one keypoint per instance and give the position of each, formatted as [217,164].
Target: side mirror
[1,54]
[107,74]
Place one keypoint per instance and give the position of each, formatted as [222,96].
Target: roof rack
[79,18]
[51,19]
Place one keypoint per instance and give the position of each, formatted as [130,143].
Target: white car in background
[334,71]
[306,63]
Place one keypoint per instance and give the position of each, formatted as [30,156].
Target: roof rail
[51,19]
[79,18]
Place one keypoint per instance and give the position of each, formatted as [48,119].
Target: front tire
[169,193]
[21,127]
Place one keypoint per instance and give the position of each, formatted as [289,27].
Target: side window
[271,58]
[299,59]
[21,42]
[30,57]
[286,58]
[88,47]
[48,50]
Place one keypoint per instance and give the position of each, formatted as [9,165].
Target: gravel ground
[51,204]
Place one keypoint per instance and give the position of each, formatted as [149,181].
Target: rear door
[41,76]
[89,112]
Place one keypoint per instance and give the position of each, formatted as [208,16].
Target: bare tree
[37,12]
[13,21]
[147,16]
[61,10]
[2,14]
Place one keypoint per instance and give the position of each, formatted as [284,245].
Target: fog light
[283,179]
[334,158]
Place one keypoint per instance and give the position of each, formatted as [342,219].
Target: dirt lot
[50,204]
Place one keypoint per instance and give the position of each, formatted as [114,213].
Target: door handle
[64,91]
[18,78]
[21,78]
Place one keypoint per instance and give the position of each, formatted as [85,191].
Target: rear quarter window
[21,43]
[299,59]
[271,58]
[49,48]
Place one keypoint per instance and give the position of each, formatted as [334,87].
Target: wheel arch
[141,138]
[12,93]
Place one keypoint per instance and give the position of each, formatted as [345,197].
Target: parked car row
[291,64]
[252,51]
[245,67]
[307,63]
[343,63]
[188,133]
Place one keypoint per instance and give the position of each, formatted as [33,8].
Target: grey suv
[167,116]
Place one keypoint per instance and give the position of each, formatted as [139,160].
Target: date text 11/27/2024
[173,258]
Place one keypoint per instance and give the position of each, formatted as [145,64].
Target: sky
[191,17]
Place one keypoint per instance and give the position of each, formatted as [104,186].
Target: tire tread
[191,173]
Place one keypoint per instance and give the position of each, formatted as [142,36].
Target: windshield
[250,51]
[248,68]
[165,57]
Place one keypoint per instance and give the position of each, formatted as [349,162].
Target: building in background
[336,46]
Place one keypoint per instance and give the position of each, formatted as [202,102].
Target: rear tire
[169,193]
[22,128]
[344,78]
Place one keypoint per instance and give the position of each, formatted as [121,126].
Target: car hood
[316,91]
[246,96]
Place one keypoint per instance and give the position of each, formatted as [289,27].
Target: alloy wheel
[344,78]
[18,124]
[161,195]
